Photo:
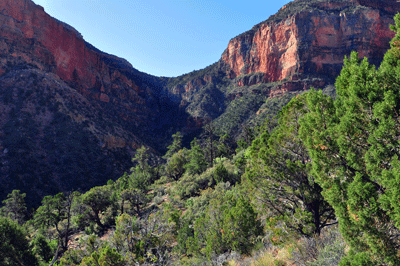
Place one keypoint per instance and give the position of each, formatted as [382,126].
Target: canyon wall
[313,39]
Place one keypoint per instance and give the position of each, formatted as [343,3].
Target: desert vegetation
[318,184]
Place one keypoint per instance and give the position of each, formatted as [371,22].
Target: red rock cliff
[74,59]
[312,37]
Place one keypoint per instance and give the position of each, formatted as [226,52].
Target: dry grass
[324,250]
[268,257]
[274,257]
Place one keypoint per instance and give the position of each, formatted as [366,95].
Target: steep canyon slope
[71,116]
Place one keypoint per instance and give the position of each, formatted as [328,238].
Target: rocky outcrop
[54,139]
[312,39]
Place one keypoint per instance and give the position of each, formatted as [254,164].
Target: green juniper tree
[225,146]
[90,208]
[210,144]
[176,158]
[142,175]
[104,257]
[136,198]
[354,144]
[42,248]
[175,167]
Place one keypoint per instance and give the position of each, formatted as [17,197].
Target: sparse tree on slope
[279,174]
[55,211]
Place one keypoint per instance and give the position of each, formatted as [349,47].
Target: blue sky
[162,37]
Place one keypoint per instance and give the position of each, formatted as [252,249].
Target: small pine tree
[14,206]
[197,162]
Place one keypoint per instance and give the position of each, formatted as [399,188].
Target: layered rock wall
[313,40]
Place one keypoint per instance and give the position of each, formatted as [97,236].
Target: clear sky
[162,37]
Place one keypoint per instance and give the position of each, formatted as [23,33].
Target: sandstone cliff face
[313,40]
